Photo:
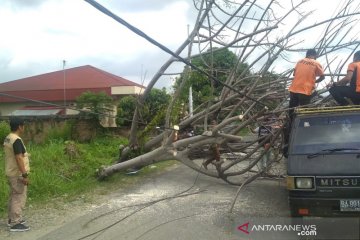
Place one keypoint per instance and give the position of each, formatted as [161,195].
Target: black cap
[311,52]
[357,56]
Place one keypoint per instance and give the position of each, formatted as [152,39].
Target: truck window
[313,134]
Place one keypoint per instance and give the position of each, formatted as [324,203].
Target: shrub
[4,130]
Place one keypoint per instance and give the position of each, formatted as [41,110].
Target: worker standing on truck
[339,91]
[303,84]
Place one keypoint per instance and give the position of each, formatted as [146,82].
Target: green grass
[55,175]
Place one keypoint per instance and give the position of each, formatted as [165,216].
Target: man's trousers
[17,199]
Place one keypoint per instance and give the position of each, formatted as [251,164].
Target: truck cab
[323,167]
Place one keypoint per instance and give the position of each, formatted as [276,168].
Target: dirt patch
[45,218]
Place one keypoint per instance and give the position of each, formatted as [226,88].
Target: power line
[162,47]
[145,205]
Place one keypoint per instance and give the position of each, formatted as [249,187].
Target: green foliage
[223,62]
[158,120]
[126,109]
[4,130]
[156,101]
[55,173]
[57,177]
[95,102]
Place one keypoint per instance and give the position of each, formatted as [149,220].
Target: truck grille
[338,182]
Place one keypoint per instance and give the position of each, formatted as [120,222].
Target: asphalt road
[150,210]
[181,204]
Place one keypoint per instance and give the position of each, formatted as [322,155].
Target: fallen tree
[264,38]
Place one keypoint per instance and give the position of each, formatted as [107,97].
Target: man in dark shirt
[16,169]
[19,147]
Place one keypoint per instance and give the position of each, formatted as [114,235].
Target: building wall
[109,119]
[40,130]
[7,108]
[127,90]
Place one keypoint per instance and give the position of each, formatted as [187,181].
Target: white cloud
[38,35]
[42,35]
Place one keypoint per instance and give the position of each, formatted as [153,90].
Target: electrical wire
[162,47]
[101,231]
[148,204]
[164,223]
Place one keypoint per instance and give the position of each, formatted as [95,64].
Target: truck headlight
[304,182]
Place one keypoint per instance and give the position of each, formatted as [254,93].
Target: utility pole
[190,88]
[190,102]
[64,81]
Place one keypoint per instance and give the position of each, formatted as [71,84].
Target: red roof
[50,86]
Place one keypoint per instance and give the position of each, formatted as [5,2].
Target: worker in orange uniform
[302,86]
[305,73]
[339,91]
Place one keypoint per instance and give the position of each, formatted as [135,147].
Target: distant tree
[96,103]
[156,102]
[125,109]
[219,63]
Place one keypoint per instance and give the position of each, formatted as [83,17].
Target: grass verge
[56,177]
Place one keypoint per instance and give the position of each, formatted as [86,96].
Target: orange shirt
[352,66]
[305,74]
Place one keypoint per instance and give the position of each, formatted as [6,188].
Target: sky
[38,35]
